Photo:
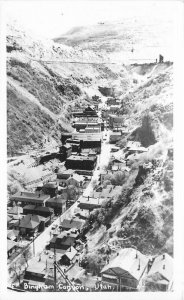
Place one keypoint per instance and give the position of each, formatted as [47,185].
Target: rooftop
[71,224]
[87,136]
[89,202]
[29,206]
[15,210]
[10,244]
[75,272]
[12,234]
[30,221]
[163,264]
[71,253]
[42,264]
[77,177]
[29,196]
[114,133]
[129,260]
[65,240]
[80,158]
[58,199]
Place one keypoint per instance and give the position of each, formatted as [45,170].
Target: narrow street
[40,242]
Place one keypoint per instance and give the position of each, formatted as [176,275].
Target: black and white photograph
[90,146]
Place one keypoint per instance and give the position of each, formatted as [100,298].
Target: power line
[90,63]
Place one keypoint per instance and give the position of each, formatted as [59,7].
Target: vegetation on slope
[142,216]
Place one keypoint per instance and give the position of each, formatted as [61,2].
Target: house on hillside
[160,275]
[125,271]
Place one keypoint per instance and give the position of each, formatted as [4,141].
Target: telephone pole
[55,286]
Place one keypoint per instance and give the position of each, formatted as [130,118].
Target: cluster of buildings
[30,213]
[87,121]
[63,249]
[127,270]
[130,270]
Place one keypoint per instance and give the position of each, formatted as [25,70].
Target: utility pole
[33,244]
[55,288]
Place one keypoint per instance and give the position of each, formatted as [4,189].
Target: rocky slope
[42,87]
[142,216]
[40,96]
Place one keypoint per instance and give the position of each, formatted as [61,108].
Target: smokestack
[163,267]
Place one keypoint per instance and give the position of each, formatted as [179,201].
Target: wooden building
[25,198]
[58,203]
[69,257]
[81,162]
[71,224]
[38,210]
[65,150]
[116,121]
[62,242]
[30,224]
[125,271]
[90,203]
[75,180]
[160,274]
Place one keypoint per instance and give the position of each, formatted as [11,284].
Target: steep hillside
[142,216]
[42,83]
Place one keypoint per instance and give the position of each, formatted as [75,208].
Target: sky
[52,18]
